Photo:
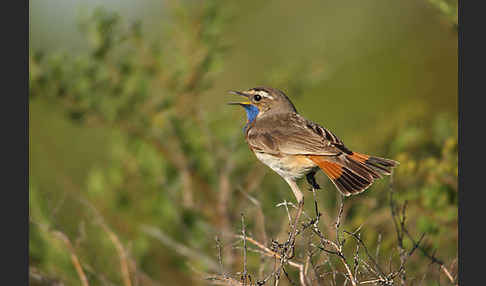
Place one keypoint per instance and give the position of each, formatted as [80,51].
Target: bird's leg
[300,200]
[297,193]
[312,180]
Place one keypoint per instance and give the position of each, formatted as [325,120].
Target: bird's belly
[287,166]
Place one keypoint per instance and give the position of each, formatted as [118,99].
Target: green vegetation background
[133,123]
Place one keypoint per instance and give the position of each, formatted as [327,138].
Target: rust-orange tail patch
[353,173]
[332,170]
[380,166]
[346,181]
[359,157]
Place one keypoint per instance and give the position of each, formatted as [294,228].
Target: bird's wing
[294,135]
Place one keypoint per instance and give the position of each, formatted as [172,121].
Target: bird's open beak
[235,92]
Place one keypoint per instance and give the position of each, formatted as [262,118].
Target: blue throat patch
[251,114]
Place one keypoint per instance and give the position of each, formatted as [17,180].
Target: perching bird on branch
[295,147]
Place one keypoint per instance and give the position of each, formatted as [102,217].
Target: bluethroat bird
[295,147]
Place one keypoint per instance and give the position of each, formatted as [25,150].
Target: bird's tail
[353,173]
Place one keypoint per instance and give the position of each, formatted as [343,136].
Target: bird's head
[263,100]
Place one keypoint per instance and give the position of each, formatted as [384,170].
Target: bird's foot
[312,181]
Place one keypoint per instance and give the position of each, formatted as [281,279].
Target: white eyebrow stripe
[264,94]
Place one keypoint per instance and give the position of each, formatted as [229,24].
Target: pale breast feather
[292,166]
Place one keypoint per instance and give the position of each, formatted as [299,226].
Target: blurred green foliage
[144,152]
[132,88]
[428,173]
[449,8]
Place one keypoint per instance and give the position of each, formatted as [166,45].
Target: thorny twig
[365,270]
[402,230]
[245,273]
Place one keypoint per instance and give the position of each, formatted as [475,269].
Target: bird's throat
[251,114]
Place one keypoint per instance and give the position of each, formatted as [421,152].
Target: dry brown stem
[74,257]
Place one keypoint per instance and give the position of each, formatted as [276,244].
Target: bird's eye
[257,97]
